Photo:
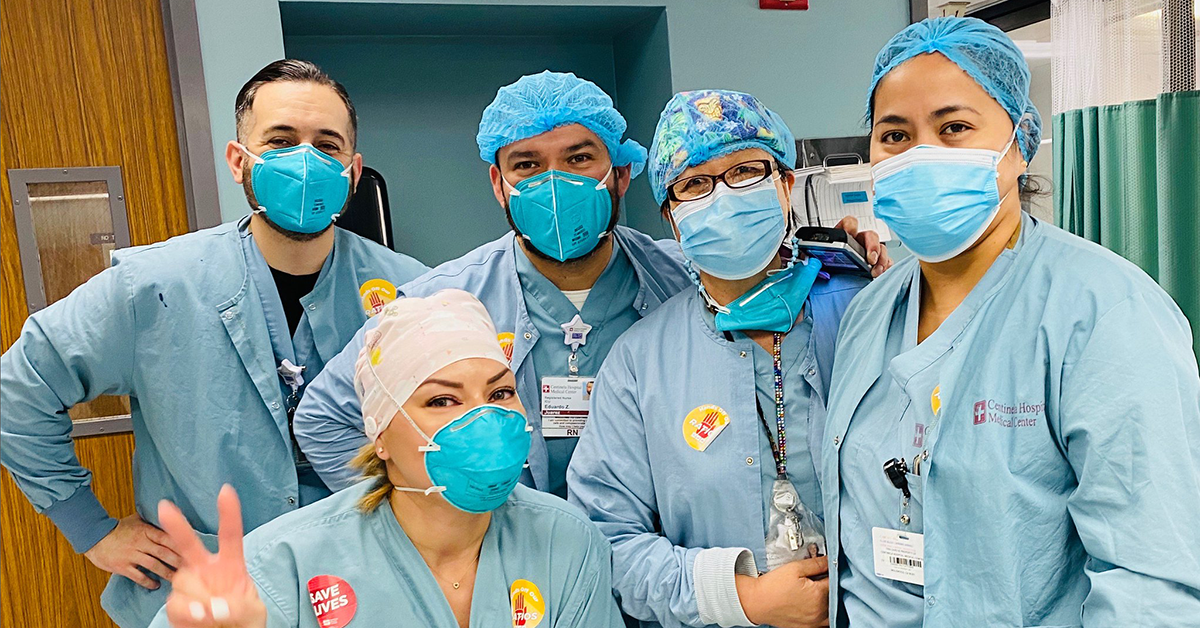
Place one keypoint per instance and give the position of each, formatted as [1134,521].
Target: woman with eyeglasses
[438,534]
[1014,422]
[699,463]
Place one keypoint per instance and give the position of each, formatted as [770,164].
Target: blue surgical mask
[938,200]
[475,460]
[299,188]
[773,304]
[732,233]
[561,214]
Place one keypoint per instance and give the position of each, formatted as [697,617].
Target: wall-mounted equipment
[784,5]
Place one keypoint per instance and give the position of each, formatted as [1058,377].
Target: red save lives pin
[333,601]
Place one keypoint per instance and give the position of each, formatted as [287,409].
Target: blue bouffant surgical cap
[984,52]
[542,102]
[697,127]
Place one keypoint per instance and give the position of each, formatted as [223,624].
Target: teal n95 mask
[298,187]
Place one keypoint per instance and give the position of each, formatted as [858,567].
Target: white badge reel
[793,531]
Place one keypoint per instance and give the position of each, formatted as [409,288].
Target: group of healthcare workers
[730,472]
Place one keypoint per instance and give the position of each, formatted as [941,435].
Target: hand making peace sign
[211,590]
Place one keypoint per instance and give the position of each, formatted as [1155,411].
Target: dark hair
[1032,186]
[290,70]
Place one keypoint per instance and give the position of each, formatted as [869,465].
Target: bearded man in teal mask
[561,287]
[212,335]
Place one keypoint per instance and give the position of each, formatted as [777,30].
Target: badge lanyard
[778,444]
[783,495]
[293,376]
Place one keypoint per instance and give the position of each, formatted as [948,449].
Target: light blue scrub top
[328,421]
[532,536]
[891,421]
[796,349]
[178,326]
[1063,472]
[660,501]
[300,349]
[608,309]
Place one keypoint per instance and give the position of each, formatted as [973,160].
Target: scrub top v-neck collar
[544,295]
[300,347]
[915,357]
[489,600]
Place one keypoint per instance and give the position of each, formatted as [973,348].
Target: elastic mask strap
[431,446]
[424,491]
[604,182]
[512,189]
[695,276]
[1013,138]
[256,158]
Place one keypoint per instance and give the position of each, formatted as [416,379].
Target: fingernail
[197,610]
[220,608]
[873,257]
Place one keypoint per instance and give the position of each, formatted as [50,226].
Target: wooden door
[83,83]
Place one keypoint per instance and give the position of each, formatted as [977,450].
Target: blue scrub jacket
[179,327]
[328,422]
[535,542]
[659,501]
[1063,482]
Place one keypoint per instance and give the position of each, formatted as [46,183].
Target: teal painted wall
[237,38]
[418,129]
[813,67]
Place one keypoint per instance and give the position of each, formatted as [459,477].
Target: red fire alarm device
[795,5]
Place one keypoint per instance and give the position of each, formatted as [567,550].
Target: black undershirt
[291,288]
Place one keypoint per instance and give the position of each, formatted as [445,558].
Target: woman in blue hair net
[1014,417]
[700,461]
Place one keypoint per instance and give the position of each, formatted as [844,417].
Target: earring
[379,451]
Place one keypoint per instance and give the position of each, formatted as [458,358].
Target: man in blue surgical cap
[561,286]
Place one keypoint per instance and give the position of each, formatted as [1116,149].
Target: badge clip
[292,375]
[575,333]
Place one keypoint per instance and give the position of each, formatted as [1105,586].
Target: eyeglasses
[698,186]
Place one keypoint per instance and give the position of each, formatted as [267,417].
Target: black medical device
[835,248]
[896,471]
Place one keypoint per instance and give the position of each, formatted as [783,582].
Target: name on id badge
[565,402]
[899,555]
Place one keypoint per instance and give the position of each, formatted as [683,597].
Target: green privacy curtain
[1128,177]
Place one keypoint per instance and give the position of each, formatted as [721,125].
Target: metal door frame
[20,179]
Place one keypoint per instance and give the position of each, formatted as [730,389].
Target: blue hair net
[700,126]
[985,53]
[542,102]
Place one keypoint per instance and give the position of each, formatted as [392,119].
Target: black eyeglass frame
[714,179]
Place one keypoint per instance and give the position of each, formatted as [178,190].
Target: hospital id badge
[565,402]
[899,555]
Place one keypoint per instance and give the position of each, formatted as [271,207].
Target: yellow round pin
[528,605]
[376,294]
[703,424]
[506,343]
[935,400]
